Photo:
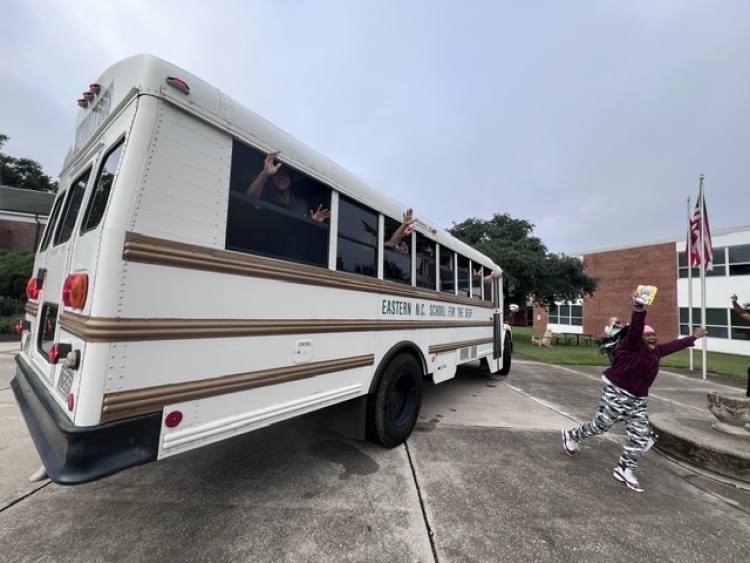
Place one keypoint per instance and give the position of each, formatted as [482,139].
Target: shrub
[8,326]
[8,306]
[15,270]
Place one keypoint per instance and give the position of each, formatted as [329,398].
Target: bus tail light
[34,288]
[58,351]
[75,290]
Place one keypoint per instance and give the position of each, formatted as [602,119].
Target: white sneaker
[570,445]
[651,441]
[628,477]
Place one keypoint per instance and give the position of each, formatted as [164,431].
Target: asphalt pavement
[482,479]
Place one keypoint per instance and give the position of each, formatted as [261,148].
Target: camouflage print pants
[617,405]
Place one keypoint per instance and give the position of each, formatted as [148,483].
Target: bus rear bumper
[73,454]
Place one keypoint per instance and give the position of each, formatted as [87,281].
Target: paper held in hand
[648,293]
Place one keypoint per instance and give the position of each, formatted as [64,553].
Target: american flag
[694,242]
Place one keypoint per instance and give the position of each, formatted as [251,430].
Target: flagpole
[704,343]
[688,252]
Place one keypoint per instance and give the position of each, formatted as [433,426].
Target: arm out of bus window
[269,169]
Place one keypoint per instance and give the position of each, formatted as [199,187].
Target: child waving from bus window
[280,193]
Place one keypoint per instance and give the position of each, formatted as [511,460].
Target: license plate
[65,381]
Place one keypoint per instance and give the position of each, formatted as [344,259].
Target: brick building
[621,270]
[23,215]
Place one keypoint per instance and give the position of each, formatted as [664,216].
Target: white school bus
[169,309]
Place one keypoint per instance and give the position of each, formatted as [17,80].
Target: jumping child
[625,394]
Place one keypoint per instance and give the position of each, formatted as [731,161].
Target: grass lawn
[733,366]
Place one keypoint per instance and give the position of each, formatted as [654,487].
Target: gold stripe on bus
[125,404]
[440,348]
[151,250]
[31,308]
[99,329]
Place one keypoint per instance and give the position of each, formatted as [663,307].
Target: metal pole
[688,252]
[704,343]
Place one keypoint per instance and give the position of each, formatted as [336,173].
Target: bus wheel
[506,356]
[393,409]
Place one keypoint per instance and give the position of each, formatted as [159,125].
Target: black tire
[393,408]
[507,346]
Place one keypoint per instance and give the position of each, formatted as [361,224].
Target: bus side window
[425,263]
[72,207]
[446,270]
[51,221]
[357,239]
[266,225]
[100,195]
[396,255]
[464,276]
[476,280]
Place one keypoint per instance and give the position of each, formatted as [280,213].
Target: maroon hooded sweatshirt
[635,366]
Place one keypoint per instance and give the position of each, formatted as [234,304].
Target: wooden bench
[594,340]
[590,340]
[566,339]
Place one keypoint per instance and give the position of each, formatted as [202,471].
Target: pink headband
[647,329]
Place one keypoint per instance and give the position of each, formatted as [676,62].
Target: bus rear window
[51,222]
[72,207]
[100,196]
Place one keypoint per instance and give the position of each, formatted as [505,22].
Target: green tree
[23,173]
[543,276]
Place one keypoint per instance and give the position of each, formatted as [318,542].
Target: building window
[719,265]
[566,315]
[739,327]
[716,322]
[739,260]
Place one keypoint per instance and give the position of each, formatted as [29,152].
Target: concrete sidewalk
[482,478]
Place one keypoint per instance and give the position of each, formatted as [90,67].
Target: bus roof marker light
[83,103]
[88,96]
[178,83]
[173,419]
[94,88]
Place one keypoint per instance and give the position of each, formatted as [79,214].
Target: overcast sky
[593,120]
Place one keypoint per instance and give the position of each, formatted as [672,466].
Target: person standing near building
[745,315]
[625,394]
[613,327]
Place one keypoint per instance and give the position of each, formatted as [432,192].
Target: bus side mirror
[513,308]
